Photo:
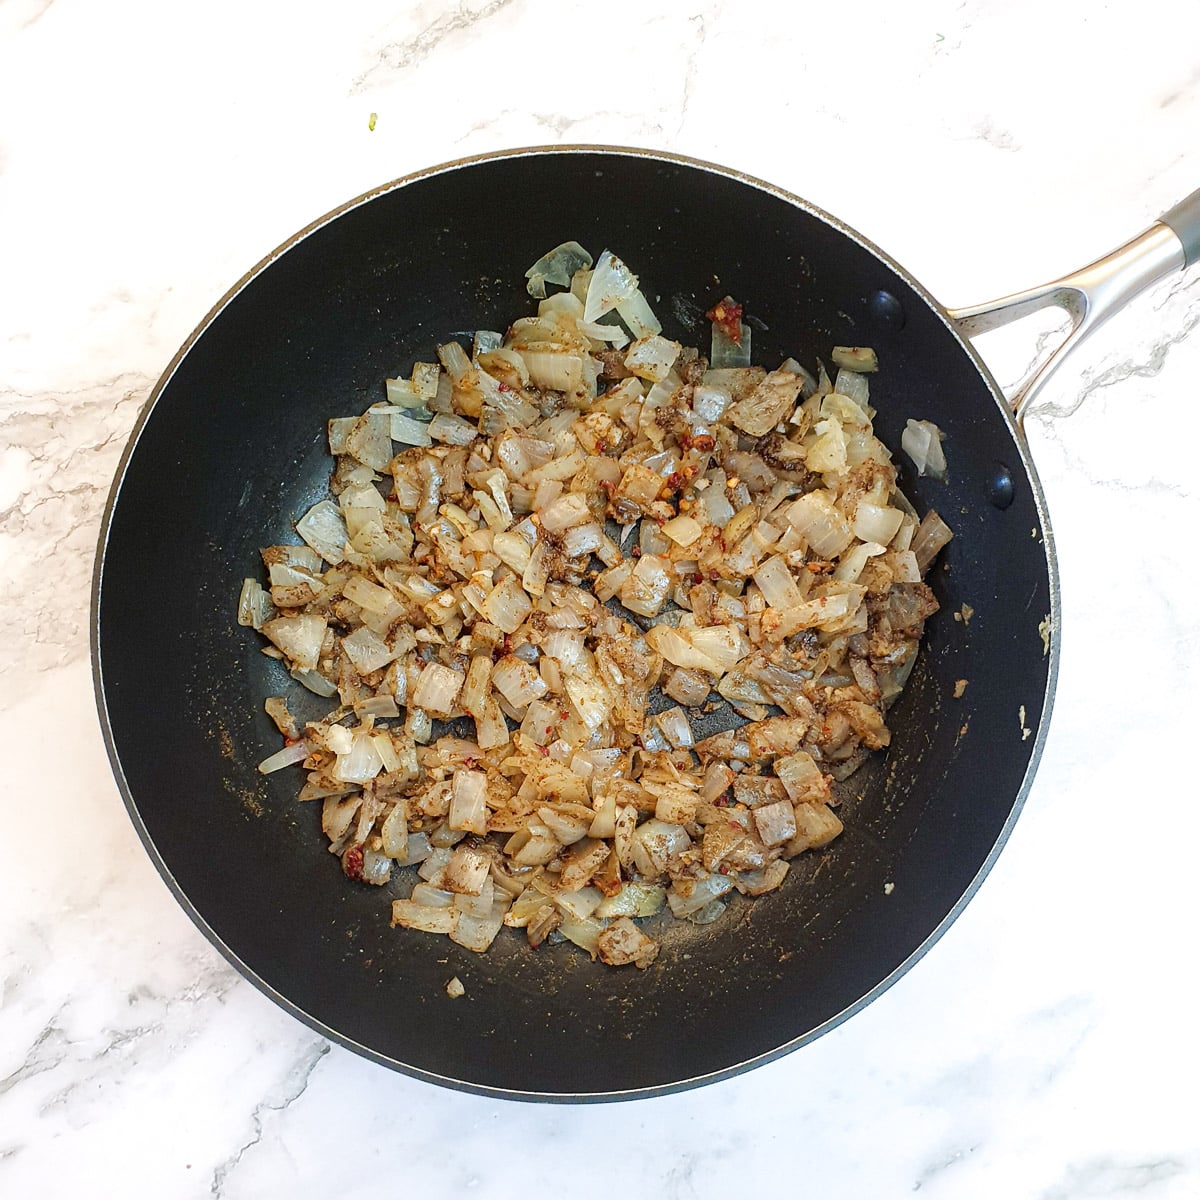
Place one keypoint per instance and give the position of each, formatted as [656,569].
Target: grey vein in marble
[1107,1177]
[288,1091]
[396,56]
[56,479]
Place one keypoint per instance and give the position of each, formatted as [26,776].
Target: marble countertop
[149,154]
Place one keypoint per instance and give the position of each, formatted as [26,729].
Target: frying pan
[231,449]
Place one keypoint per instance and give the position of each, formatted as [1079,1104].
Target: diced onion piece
[507,605]
[725,351]
[674,724]
[556,266]
[284,758]
[689,896]
[683,530]
[636,312]
[323,528]
[568,510]
[815,517]
[875,522]
[776,583]
[362,763]
[370,440]
[827,453]
[922,442]
[409,432]
[454,358]
[611,283]
[403,393]
[932,534]
[855,358]
[437,689]
[771,402]
[367,650]
[423,917]
[646,589]
[802,778]
[852,564]
[254,604]
[652,357]
[454,431]
[517,681]
[299,637]
[468,808]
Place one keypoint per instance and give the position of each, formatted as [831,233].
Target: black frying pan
[231,449]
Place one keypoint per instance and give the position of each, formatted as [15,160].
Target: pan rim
[491,1091]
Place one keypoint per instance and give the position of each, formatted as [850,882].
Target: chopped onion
[855,358]
[254,604]
[651,357]
[612,282]
[725,351]
[922,442]
[404,394]
[875,522]
[455,579]
[557,267]
[449,429]
[815,517]
[409,432]
[932,534]
[323,528]
[636,312]
[299,638]
[517,681]
[284,758]
[437,689]
[468,810]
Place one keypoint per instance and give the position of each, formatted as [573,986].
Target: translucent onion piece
[922,442]
[323,528]
[284,758]
[611,283]
[557,266]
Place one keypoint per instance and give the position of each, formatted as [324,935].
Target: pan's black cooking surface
[233,450]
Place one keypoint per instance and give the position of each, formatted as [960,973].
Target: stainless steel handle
[1089,296]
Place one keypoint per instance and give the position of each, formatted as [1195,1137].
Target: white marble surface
[150,153]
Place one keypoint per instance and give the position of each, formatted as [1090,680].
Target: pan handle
[1090,296]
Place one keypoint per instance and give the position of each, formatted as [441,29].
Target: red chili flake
[701,442]
[722,870]
[727,314]
[636,552]
[506,645]
[697,577]
[564,715]
[675,481]
[292,741]
[352,862]
[503,387]
[544,750]
[715,575]
[607,486]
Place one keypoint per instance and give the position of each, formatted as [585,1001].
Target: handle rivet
[886,310]
[1001,488]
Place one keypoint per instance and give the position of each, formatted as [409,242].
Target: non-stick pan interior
[233,450]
